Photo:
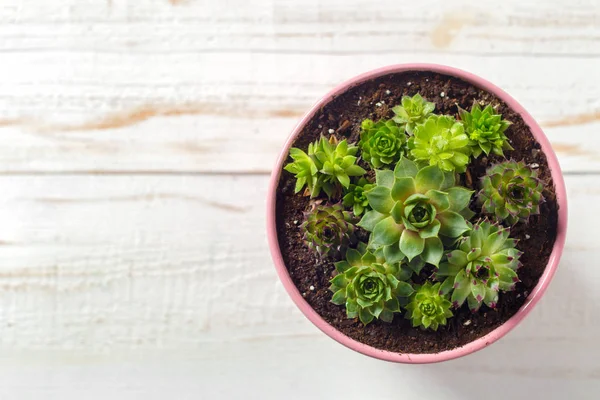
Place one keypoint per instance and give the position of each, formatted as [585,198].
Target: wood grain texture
[286,368]
[205,86]
[128,262]
[532,28]
[108,281]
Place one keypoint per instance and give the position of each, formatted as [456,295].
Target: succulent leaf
[381,143]
[485,262]
[328,230]
[511,191]
[485,129]
[328,166]
[441,141]
[428,308]
[408,218]
[369,286]
[412,111]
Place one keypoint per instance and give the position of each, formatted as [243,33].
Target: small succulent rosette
[382,143]
[356,196]
[486,130]
[369,286]
[412,111]
[428,307]
[328,166]
[485,262]
[328,229]
[511,192]
[441,141]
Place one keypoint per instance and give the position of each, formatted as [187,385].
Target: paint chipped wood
[574,120]
[445,32]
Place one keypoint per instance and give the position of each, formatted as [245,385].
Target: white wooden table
[137,139]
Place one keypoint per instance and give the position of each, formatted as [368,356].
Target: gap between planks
[531,54]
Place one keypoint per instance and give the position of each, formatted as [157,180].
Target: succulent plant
[428,307]
[328,229]
[381,143]
[368,286]
[411,208]
[305,170]
[328,164]
[441,141]
[511,191]
[356,198]
[412,111]
[485,262]
[485,129]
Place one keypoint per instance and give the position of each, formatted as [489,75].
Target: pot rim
[484,341]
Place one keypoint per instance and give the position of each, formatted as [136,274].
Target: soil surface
[374,99]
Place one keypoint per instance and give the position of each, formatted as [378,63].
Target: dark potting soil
[311,274]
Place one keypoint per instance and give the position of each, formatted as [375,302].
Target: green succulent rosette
[441,141]
[356,197]
[511,192]
[305,170]
[428,308]
[485,262]
[328,229]
[485,129]
[412,208]
[412,111]
[328,166]
[381,143]
[369,286]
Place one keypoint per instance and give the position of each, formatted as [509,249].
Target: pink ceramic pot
[497,333]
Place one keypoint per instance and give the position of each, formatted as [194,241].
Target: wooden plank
[315,26]
[113,114]
[286,368]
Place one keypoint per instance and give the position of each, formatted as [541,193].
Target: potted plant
[416,213]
